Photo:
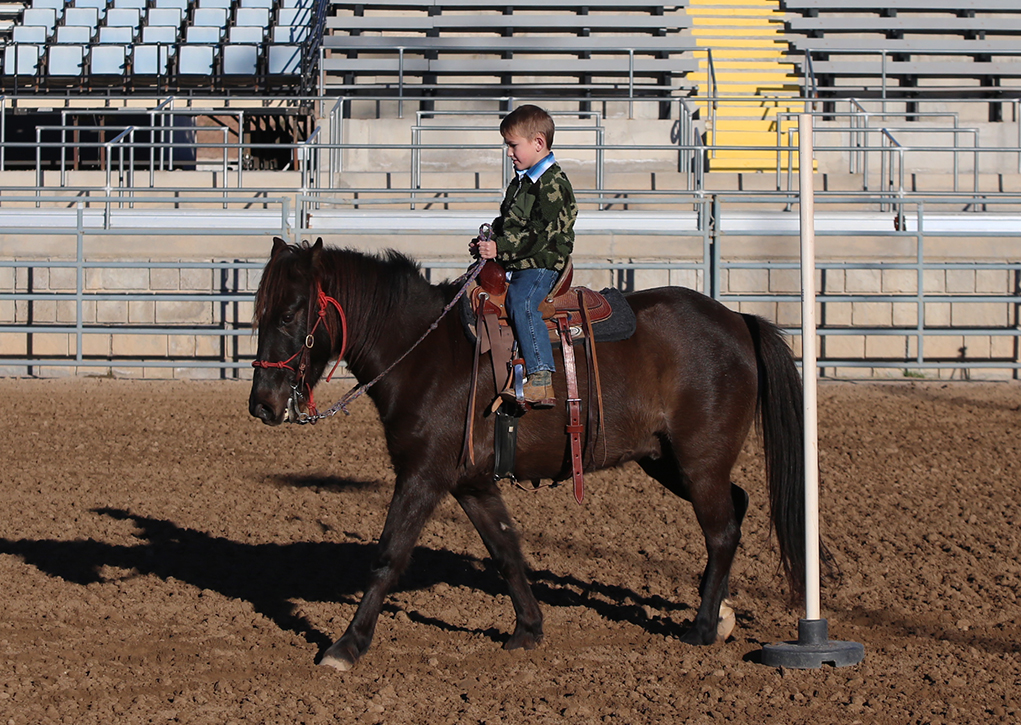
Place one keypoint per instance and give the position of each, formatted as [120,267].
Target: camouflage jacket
[536,223]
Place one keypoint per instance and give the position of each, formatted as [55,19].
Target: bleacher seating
[903,48]
[162,45]
[611,47]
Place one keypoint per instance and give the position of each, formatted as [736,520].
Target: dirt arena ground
[166,558]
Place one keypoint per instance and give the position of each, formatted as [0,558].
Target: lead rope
[358,391]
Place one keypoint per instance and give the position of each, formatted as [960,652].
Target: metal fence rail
[53,308]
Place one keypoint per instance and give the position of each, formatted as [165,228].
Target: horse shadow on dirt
[271,576]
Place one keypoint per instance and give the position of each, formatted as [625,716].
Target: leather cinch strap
[574,426]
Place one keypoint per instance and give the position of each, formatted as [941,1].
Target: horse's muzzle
[265,413]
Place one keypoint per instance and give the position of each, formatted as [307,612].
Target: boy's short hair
[529,121]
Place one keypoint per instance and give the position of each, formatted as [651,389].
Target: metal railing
[71,312]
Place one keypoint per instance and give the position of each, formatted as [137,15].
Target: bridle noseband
[300,389]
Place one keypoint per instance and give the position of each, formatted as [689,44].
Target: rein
[313,414]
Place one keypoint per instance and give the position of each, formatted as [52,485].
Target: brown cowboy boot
[539,390]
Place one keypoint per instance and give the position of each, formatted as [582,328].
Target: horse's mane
[386,280]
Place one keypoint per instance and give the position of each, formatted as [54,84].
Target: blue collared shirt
[540,166]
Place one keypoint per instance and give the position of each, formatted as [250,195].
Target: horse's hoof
[523,639]
[336,663]
[339,657]
[727,622]
[699,638]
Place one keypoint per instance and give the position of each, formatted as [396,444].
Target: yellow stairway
[747,43]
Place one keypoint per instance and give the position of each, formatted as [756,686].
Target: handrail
[128,132]
[712,102]
[332,158]
[309,168]
[810,89]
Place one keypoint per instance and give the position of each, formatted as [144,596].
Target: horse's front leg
[413,501]
[484,506]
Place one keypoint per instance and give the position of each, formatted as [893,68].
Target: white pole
[808,365]
[814,648]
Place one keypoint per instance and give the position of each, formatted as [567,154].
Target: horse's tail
[781,425]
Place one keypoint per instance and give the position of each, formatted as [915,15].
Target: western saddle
[569,313]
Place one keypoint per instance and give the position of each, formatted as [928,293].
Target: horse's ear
[317,250]
[279,245]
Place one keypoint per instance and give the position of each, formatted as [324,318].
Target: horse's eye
[287,318]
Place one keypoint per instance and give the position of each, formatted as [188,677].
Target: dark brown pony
[680,397]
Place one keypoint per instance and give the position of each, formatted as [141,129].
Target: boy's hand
[487,250]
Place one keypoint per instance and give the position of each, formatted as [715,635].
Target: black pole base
[813,649]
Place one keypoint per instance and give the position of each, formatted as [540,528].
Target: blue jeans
[526,290]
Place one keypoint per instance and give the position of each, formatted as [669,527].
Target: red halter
[323,301]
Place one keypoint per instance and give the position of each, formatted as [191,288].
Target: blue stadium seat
[215,17]
[73,34]
[116,35]
[137,4]
[160,34]
[203,34]
[290,33]
[152,59]
[297,3]
[245,34]
[284,59]
[222,4]
[89,17]
[44,17]
[294,16]
[99,5]
[65,61]
[123,18]
[240,59]
[196,60]
[108,60]
[164,16]
[30,34]
[181,5]
[268,4]
[258,17]
[22,59]
[57,5]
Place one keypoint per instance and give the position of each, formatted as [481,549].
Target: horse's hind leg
[484,506]
[719,507]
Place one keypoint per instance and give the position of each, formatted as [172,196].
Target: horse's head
[296,332]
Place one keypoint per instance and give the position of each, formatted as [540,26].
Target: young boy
[532,238]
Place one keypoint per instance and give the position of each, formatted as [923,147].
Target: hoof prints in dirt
[175,567]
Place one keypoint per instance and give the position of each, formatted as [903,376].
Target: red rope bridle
[313,415]
[324,302]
